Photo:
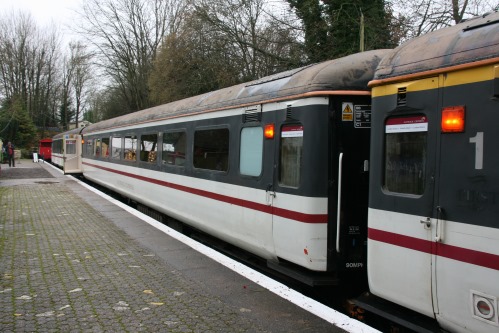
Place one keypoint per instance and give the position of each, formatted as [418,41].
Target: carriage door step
[397,314]
[303,275]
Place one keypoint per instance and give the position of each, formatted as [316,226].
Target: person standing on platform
[10,154]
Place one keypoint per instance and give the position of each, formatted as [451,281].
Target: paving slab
[72,262]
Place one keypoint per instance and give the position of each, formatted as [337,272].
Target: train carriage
[433,243]
[277,166]
[67,151]
[45,149]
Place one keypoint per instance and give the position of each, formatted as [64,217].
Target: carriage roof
[351,73]
[471,41]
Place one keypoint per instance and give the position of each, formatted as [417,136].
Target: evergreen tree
[345,26]
[333,27]
[89,116]
[315,26]
[16,125]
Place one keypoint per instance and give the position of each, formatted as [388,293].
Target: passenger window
[57,146]
[116,147]
[70,147]
[148,147]
[105,147]
[405,154]
[291,155]
[250,160]
[174,146]
[211,149]
[90,148]
[130,152]
[97,147]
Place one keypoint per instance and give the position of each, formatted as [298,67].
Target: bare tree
[81,62]
[221,43]
[28,58]
[422,16]
[66,113]
[262,45]
[127,34]
[194,60]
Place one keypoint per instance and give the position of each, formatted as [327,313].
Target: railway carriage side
[268,173]
[433,230]
[216,173]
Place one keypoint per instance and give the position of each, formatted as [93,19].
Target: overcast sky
[44,11]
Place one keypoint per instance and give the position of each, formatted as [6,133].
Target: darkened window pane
[291,155]
[174,146]
[105,147]
[148,147]
[130,148]
[405,155]
[97,147]
[211,149]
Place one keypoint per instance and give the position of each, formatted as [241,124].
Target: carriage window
[97,147]
[130,148]
[90,148]
[105,147]
[174,145]
[291,155]
[250,160]
[70,146]
[211,149]
[405,154]
[56,146]
[148,147]
[116,147]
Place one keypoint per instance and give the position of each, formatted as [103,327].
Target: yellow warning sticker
[347,117]
[347,112]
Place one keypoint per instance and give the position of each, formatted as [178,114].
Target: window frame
[298,127]
[97,147]
[197,153]
[132,152]
[113,140]
[141,151]
[407,132]
[164,159]
[105,154]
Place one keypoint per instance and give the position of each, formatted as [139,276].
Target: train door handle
[270,194]
[427,223]
[439,234]
[338,204]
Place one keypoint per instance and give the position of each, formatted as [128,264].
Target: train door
[350,129]
[72,154]
[467,230]
[290,234]
[402,193]
[298,191]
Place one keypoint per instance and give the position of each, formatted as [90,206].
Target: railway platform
[74,261]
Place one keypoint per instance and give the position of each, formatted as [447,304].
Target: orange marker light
[269,131]
[453,119]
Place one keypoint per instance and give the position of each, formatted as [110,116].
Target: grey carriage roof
[73,131]
[474,40]
[351,73]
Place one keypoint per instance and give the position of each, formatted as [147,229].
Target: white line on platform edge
[337,318]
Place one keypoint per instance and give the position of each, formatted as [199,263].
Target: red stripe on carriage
[285,213]
[462,254]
